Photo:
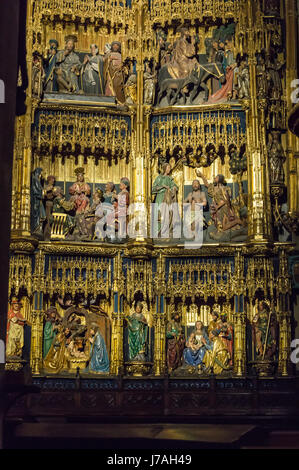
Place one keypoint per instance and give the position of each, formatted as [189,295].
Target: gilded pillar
[117,359]
[139,132]
[284,320]
[239,318]
[160,318]
[117,333]
[37,316]
[291,49]
[239,344]
[159,348]
[36,356]
[284,316]
[22,151]
[259,223]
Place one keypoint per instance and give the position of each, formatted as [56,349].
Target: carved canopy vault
[177,104]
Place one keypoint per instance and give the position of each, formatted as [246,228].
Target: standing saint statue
[38,76]
[114,73]
[122,202]
[196,196]
[38,213]
[49,196]
[149,85]
[166,207]
[93,72]
[264,332]
[243,79]
[50,64]
[50,329]
[15,330]
[276,158]
[274,67]
[175,343]
[226,333]
[262,77]
[137,334]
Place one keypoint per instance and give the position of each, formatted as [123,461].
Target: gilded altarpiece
[134,103]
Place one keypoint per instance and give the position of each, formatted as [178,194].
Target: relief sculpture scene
[154,198]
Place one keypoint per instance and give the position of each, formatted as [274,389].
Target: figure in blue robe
[38,212]
[50,64]
[99,360]
[197,345]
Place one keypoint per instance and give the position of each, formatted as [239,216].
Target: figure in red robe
[80,192]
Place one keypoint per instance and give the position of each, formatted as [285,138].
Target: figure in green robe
[50,329]
[137,334]
[166,207]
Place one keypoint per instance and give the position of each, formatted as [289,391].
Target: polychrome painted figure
[80,192]
[197,345]
[175,343]
[99,360]
[50,329]
[137,334]
[166,191]
[15,330]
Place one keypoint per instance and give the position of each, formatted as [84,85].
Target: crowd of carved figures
[183,72]
[104,215]
[97,74]
[180,74]
[78,334]
[176,110]
[83,216]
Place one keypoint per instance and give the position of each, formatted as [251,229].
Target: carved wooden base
[15,364]
[138,369]
[152,396]
[264,368]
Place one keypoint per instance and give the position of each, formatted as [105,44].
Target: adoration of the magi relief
[153,199]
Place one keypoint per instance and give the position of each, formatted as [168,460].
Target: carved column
[284,319]
[117,359]
[140,142]
[117,334]
[159,348]
[36,354]
[259,229]
[284,316]
[239,317]
[22,149]
[239,344]
[291,74]
[37,315]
